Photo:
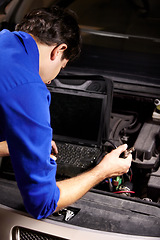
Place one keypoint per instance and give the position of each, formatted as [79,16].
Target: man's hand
[113,165]
[4,151]
[54,150]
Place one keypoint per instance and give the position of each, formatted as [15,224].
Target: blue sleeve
[28,133]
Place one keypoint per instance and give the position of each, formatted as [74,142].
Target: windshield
[124,24]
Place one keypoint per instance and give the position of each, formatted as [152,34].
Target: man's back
[25,121]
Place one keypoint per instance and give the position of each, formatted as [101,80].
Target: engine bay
[136,122]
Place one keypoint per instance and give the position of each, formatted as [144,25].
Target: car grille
[20,233]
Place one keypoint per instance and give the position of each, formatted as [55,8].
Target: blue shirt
[25,122]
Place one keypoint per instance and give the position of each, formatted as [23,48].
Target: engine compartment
[136,121]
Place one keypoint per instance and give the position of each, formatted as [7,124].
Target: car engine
[136,123]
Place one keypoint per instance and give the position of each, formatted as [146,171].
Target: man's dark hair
[54,26]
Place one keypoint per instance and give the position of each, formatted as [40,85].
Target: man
[30,57]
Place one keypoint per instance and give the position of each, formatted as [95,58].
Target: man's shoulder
[19,46]
[19,60]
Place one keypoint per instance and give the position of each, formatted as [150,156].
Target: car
[121,45]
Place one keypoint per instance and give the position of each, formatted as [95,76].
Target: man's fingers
[121,149]
[53,157]
[54,147]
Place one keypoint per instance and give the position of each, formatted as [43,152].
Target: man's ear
[57,50]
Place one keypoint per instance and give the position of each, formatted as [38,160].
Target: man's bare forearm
[4,151]
[74,188]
